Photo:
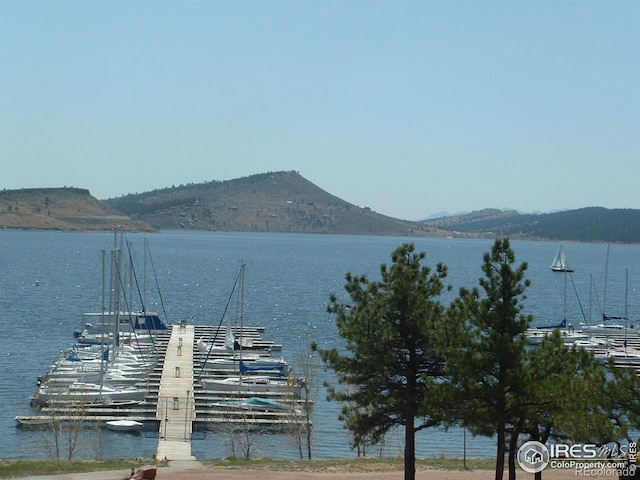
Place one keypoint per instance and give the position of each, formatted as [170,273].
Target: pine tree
[393,330]
[486,365]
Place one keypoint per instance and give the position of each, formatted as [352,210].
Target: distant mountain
[287,202]
[267,202]
[61,209]
[591,224]
[439,215]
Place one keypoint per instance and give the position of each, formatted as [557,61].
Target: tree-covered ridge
[286,202]
[591,224]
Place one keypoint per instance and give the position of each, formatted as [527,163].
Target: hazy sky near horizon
[409,108]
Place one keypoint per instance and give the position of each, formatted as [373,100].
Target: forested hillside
[268,202]
[591,224]
[287,202]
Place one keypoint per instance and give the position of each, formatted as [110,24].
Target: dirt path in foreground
[357,471]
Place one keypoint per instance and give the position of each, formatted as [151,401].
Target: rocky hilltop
[61,209]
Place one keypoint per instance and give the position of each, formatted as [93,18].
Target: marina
[129,371]
[289,278]
[183,393]
[180,396]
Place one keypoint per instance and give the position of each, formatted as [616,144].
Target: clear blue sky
[406,107]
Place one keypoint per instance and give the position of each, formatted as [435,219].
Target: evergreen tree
[393,330]
[620,397]
[573,398]
[559,400]
[487,364]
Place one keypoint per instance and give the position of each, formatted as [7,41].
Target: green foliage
[407,357]
[620,401]
[486,363]
[591,224]
[394,350]
[561,400]
[553,392]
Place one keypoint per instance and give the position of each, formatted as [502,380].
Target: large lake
[48,279]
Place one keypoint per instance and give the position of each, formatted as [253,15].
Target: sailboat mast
[604,296]
[118,292]
[131,296]
[565,297]
[102,320]
[590,298]
[144,272]
[240,310]
[626,306]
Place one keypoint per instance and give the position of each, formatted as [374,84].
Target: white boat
[121,361]
[258,404]
[569,335]
[98,323]
[247,363]
[605,328]
[560,263]
[212,347]
[140,340]
[123,425]
[599,349]
[61,378]
[81,392]
[250,383]
[621,357]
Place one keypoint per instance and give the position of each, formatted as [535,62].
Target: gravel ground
[193,470]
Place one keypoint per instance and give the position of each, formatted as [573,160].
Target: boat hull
[123,425]
[250,384]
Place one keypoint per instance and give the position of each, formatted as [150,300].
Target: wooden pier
[175,408]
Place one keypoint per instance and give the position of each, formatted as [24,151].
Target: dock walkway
[175,409]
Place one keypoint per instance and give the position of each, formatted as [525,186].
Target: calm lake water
[48,279]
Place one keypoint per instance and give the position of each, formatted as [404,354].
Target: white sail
[560,263]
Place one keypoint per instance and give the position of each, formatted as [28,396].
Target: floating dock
[175,408]
[176,403]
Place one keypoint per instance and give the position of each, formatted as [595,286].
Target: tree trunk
[410,449]
[513,451]
[500,453]
[536,436]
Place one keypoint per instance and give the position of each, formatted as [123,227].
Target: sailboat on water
[569,334]
[560,263]
[247,379]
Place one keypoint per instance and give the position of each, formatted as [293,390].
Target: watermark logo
[587,459]
[533,456]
